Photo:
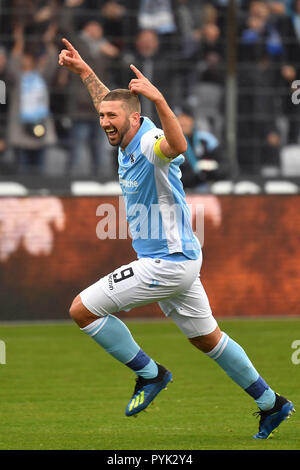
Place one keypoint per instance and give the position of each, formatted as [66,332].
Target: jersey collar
[133,144]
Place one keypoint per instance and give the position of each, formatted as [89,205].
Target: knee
[80,314]
[75,311]
[207,342]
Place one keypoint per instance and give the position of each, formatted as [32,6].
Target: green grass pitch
[59,390]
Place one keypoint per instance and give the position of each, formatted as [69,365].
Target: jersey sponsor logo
[129,183]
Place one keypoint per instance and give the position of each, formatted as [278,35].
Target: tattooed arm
[71,59]
[96,88]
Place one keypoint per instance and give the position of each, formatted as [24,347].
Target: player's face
[115,121]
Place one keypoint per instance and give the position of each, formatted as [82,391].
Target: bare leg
[207,342]
[80,314]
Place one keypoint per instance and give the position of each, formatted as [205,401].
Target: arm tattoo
[96,89]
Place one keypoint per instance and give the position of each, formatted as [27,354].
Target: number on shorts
[125,274]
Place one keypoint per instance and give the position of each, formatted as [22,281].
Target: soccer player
[168,253]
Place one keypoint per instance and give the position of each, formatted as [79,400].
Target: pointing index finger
[136,71]
[68,44]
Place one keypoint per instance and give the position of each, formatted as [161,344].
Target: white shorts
[176,286]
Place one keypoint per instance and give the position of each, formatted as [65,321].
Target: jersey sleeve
[150,147]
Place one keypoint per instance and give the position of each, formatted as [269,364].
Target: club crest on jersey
[132,158]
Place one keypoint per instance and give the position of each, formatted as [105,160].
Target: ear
[135,118]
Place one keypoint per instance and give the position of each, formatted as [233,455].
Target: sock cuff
[139,361]
[257,388]
[93,328]
[219,348]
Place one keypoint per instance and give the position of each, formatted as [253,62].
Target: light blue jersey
[158,216]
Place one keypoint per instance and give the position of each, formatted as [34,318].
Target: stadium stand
[187,54]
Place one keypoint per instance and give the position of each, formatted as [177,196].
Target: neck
[129,136]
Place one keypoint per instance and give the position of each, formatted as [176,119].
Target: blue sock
[114,336]
[235,362]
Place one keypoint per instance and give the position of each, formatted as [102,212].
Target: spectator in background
[30,125]
[86,134]
[290,33]
[260,34]
[159,16]
[290,111]
[119,20]
[204,162]
[206,94]
[3,103]
[190,37]
[260,55]
[190,16]
[212,54]
[74,13]
[117,17]
[113,14]
[39,20]
[5,23]
[149,59]
[290,70]
[278,7]
[200,68]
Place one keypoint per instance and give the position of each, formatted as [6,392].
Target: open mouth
[111,132]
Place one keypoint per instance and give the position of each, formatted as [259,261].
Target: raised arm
[174,142]
[71,59]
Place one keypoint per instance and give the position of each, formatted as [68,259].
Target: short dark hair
[131,100]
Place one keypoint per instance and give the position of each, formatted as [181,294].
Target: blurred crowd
[182,47]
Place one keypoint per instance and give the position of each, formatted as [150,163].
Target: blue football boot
[146,390]
[270,419]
